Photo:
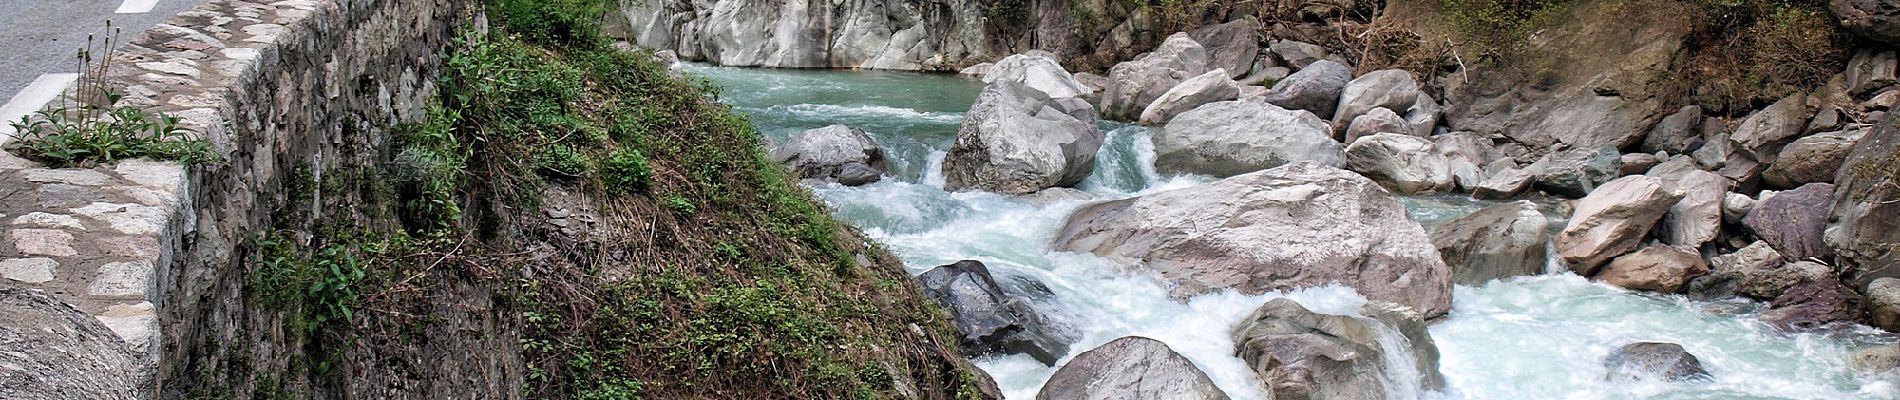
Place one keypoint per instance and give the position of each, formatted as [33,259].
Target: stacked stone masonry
[150,248]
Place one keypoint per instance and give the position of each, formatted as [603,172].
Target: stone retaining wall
[283,90]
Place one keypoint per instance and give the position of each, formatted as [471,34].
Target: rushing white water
[1526,338]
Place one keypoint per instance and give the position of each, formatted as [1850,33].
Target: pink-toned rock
[1613,220]
[1664,269]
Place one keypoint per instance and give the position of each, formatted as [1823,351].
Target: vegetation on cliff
[629,228]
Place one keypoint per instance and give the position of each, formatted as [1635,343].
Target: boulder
[1814,305]
[1232,137]
[1496,242]
[838,153]
[1613,220]
[1424,116]
[1697,219]
[1018,140]
[1638,163]
[1392,89]
[1864,229]
[1877,359]
[1402,163]
[1650,361]
[1210,87]
[1575,173]
[1658,268]
[1418,336]
[1757,271]
[1038,70]
[50,350]
[1377,121]
[1870,70]
[1234,233]
[1315,88]
[1736,206]
[1811,159]
[1466,154]
[1759,139]
[1874,19]
[976,71]
[1883,303]
[1677,133]
[1132,367]
[1504,185]
[1831,118]
[1793,221]
[1303,355]
[1231,46]
[989,319]
[1133,85]
[1095,83]
[1297,54]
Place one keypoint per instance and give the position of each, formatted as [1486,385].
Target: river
[1541,337]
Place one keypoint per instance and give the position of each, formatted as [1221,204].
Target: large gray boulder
[1658,268]
[1504,184]
[1874,19]
[1812,159]
[1130,368]
[1377,121]
[1793,221]
[1697,219]
[50,350]
[1234,137]
[1758,141]
[1303,355]
[1018,140]
[1864,222]
[1392,89]
[1315,88]
[1235,233]
[833,153]
[1401,162]
[1210,87]
[1496,242]
[1038,70]
[1232,46]
[1613,220]
[1576,173]
[1297,54]
[991,320]
[1883,303]
[1466,154]
[1651,361]
[1676,133]
[1133,85]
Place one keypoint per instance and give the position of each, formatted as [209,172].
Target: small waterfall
[1402,377]
[933,170]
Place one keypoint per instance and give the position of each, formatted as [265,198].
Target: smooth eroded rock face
[1315,88]
[1403,163]
[1234,137]
[1613,220]
[1038,70]
[1812,159]
[1299,225]
[1793,221]
[1392,89]
[1497,242]
[1814,305]
[989,319]
[1883,303]
[1650,361]
[1661,269]
[1207,88]
[836,152]
[1303,355]
[1133,85]
[1864,222]
[1130,368]
[1576,173]
[1018,140]
[50,350]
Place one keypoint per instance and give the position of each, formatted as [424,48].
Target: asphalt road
[39,37]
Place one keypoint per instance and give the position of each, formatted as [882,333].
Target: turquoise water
[1526,338]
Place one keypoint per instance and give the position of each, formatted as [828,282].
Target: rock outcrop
[1651,361]
[1018,140]
[1864,222]
[1661,269]
[50,350]
[1234,233]
[1134,85]
[989,319]
[1497,242]
[1402,163]
[837,153]
[1303,355]
[1613,220]
[1235,137]
[1132,367]
[860,34]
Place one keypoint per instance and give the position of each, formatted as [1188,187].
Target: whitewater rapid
[1541,337]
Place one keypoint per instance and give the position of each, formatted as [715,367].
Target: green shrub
[627,172]
[562,161]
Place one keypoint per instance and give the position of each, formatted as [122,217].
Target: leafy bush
[562,161]
[627,171]
[94,131]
